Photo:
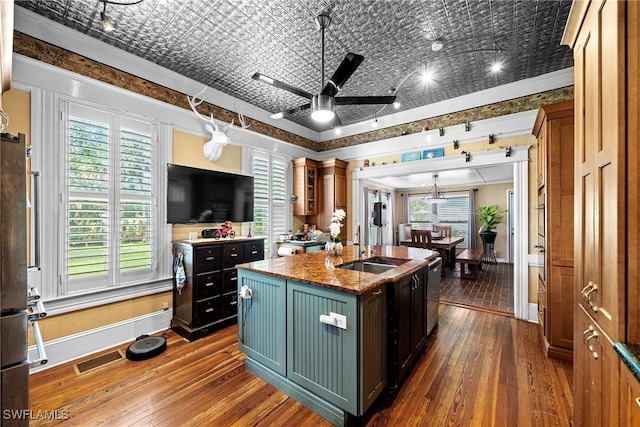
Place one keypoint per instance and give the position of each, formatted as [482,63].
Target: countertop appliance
[14,391]
[433,293]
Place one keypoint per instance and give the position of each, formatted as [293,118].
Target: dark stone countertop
[319,269]
[630,355]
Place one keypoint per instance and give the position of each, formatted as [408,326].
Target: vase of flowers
[334,245]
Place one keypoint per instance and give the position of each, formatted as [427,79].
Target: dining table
[446,245]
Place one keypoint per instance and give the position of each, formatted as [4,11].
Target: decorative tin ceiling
[222,43]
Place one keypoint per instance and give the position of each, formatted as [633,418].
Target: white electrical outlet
[341,320]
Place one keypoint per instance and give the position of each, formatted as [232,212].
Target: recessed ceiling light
[427,76]
[396,105]
[496,67]
[437,45]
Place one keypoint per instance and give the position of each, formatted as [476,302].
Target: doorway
[519,162]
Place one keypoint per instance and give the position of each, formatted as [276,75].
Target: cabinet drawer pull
[594,354]
[254,252]
[234,255]
[208,310]
[637,400]
[234,302]
[589,285]
[378,292]
[589,329]
[210,258]
[593,335]
[208,284]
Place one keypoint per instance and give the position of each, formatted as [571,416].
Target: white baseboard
[72,347]
[533,313]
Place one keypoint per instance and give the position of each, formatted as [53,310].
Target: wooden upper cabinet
[332,191]
[305,186]
[6,46]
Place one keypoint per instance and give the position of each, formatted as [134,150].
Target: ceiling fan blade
[346,68]
[365,100]
[287,113]
[281,85]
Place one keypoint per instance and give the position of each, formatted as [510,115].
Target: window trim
[48,159]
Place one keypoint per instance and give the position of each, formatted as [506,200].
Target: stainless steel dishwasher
[433,293]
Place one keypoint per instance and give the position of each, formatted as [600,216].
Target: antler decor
[219,138]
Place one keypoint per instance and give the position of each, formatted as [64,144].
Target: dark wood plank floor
[480,369]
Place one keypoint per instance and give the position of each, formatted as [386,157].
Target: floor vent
[97,362]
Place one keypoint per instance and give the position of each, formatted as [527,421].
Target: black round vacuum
[146,347]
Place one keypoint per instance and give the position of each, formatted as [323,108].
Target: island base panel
[326,410]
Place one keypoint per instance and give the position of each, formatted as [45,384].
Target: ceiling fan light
[277,115]
[322,108]
[265,79]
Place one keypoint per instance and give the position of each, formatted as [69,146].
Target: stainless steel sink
[366,267]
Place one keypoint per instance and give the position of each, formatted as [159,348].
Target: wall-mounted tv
[201,195]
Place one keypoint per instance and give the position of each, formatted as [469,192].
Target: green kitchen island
[335,332]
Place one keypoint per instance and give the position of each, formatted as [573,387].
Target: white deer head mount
[219,138]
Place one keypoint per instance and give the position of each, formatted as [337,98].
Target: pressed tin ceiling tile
[221,43]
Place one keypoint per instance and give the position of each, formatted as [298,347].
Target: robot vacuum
[146,347]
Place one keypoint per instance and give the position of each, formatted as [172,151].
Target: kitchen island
[335,332]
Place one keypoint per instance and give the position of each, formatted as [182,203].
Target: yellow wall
[17,105]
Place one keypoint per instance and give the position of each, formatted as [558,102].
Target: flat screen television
[200,195]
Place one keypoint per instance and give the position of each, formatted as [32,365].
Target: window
[419,208]
[270,207]
[110,211]
[454,212]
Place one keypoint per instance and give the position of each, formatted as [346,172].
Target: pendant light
[435,195]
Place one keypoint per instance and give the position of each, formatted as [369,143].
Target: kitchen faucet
[356,241]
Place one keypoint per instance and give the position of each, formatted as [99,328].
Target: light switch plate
[342,320]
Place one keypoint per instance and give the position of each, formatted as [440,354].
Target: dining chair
[421,238]
[445,230]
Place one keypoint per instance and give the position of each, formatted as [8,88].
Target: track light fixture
[107,24]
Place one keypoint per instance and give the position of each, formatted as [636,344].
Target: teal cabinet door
[323,358]
[262,320]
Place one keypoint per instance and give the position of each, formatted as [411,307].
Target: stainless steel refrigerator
[14,392]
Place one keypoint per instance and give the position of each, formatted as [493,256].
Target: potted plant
[490,216]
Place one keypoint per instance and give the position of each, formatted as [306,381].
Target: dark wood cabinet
[208,300]
[406,324]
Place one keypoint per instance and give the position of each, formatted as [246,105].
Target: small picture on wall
[436,152]
[408,157]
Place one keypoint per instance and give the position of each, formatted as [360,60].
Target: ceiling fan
[323,104]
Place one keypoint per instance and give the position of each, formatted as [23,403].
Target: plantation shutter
[136,161]
[109,200]
[270,209]
[89,171]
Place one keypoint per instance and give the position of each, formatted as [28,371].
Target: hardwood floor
[479,369]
